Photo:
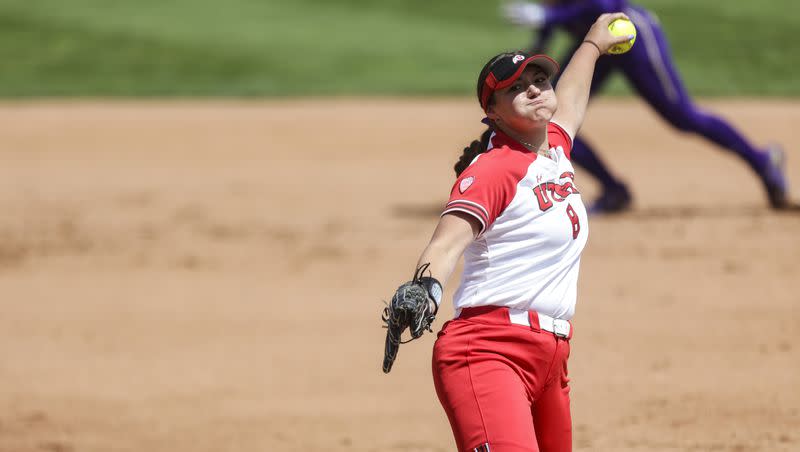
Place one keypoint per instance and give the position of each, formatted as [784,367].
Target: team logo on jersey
[465,183]
[517,58]
[548,192]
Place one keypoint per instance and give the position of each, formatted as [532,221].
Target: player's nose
[533,91]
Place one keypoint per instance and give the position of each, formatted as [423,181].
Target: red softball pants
[503,386]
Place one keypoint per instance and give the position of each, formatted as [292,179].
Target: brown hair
[472,151]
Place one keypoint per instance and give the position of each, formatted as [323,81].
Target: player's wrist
[434,289]
[590,43]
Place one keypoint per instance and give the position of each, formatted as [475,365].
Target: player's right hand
[524,14]
[601,36]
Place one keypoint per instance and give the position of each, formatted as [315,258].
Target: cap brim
[548,65]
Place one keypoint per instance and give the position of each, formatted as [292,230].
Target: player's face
[529,103]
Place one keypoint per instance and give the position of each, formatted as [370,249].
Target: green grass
[347,47]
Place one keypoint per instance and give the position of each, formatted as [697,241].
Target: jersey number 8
[573,218]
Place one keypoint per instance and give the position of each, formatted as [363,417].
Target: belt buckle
[561,328]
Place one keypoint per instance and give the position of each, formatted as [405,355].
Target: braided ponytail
[472,151]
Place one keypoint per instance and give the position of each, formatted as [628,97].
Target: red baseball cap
[504,69]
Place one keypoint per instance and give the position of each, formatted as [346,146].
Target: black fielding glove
[413,306]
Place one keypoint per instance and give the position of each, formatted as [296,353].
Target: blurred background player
[649,69]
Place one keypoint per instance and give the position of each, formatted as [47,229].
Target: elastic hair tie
[594,44]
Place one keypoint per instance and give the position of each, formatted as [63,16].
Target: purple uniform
[649,69]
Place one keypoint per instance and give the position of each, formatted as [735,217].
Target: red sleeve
[556,136]
[487,186]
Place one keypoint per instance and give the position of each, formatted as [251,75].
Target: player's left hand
[413,306]
[524,14]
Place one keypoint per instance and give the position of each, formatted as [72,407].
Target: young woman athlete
[649,68]
[516,214]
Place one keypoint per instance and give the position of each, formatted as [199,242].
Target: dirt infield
[208,277]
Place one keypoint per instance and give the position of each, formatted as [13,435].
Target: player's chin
[540,120]
[540,114]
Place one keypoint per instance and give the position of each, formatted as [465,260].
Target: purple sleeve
[580,10]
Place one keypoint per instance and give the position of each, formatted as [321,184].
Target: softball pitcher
[516,215]
[649,68]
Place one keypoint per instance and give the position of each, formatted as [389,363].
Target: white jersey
[533,227]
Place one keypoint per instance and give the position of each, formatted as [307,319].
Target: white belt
[559,327]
